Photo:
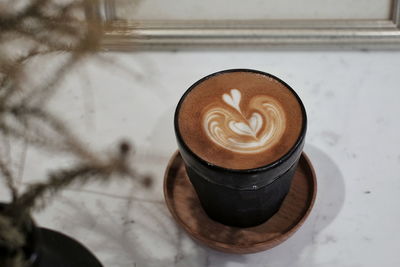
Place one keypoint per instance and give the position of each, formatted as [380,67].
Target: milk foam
[226,125]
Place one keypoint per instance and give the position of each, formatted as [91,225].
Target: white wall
[254,9]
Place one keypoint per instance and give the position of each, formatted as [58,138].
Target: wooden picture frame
[128,35]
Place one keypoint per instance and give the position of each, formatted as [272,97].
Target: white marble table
[353,105]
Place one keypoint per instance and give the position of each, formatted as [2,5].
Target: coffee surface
[240,120]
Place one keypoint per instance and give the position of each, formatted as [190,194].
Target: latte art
[239,119]
[228,127]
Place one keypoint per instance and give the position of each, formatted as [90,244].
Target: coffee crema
[240,119]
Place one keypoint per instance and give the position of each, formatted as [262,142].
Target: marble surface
[352,100]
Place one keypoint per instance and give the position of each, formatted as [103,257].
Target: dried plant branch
[79,174]
[46,27]
[12,239]
[10,235]
[32,137]
[9,180]
[71,142]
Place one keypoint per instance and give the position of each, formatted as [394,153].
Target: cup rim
[263,168]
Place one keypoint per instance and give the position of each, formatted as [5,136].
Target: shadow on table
[296,251]
[329,202]
[136,234]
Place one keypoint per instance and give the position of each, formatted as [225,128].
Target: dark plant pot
[241,198]
[48,248]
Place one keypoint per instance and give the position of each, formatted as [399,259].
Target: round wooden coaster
[185,207]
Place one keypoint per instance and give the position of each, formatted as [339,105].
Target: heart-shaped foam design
[251,127]
[229,128]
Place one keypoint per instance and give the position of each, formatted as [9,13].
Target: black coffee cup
[241,198]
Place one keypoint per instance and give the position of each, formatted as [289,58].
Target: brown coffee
[240,120]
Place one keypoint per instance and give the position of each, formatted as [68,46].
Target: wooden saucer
[185,207]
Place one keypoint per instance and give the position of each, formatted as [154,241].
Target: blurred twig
[30,30]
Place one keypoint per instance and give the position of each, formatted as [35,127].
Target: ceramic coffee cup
[247,196]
